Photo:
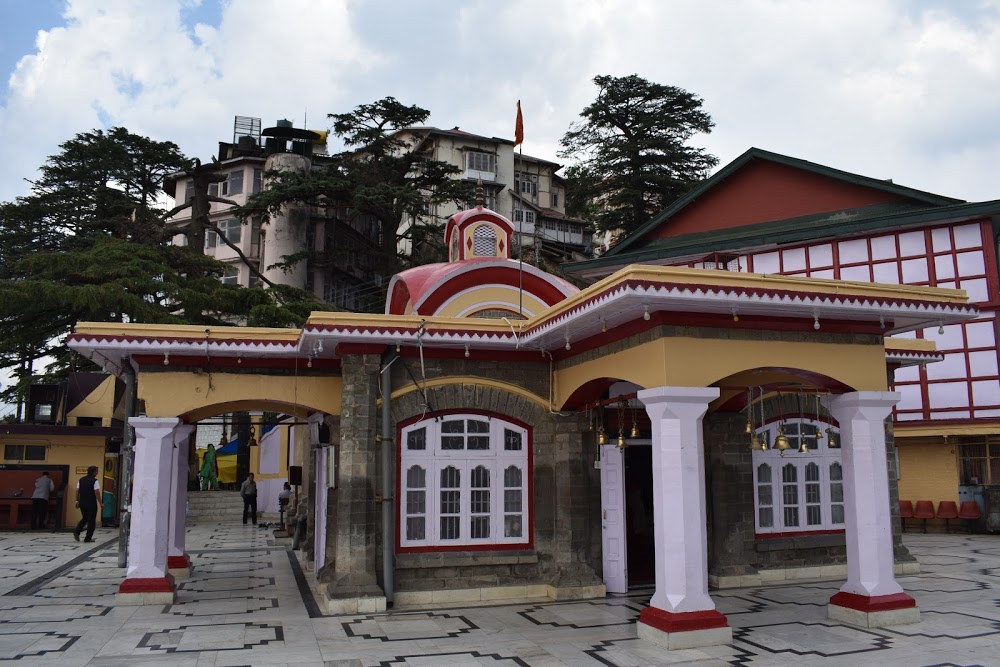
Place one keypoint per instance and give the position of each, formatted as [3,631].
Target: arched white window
[799,492]
[475,468]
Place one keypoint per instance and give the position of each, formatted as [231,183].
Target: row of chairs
[946,509]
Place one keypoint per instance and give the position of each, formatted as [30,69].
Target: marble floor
[249,603]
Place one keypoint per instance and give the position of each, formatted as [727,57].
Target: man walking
[88,499]
[40,500]
[248,491]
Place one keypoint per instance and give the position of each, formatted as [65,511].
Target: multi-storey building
[525,189]
[341,267]
[772,214]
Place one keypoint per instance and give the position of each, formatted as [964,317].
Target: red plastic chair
[924,510]
[905,512]
[947,510]
[969,511]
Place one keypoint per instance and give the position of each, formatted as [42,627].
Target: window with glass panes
[799,492]
[464,482]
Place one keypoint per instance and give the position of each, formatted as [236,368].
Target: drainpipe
[127,457]
[388,479]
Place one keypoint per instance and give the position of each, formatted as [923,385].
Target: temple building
[470,443]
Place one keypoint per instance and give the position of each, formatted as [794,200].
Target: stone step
[214,505]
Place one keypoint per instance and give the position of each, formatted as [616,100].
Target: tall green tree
[384,177]
[632,152]
[90,244]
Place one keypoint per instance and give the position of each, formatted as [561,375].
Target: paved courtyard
[248,603]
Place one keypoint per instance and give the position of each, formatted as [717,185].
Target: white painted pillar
[178,561]
[871,587]
[681,613]
[146,579]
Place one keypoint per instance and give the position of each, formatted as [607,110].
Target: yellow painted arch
[196,396]
[701,362]
[473,381]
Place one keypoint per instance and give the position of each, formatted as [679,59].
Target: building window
[231,276]
[189,191]
[464,482]
[799,492]
[526,184]
[478,161]
[233,185]
[484,241]
[555,200]
[257,177]
[232,229]
[24,452]
[524,215]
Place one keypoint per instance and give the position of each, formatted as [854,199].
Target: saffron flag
[518,126]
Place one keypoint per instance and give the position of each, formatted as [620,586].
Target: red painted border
[149,585]
[686,621]
[249,361]
[802,533]
[178,562]
[869,604]
[530,444]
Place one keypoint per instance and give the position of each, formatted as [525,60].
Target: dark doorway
[639,515]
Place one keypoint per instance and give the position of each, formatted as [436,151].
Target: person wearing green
[209,470]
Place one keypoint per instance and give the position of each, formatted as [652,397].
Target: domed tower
[480,279]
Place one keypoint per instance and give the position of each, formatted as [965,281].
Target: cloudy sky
[901,89]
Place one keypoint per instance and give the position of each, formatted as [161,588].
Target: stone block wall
[565,492]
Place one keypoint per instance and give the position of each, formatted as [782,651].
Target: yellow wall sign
[81,470]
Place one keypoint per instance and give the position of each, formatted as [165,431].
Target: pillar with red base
[871,597]
[146,579]
[680,614]
[178,561]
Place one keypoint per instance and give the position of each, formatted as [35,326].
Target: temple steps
[214,506]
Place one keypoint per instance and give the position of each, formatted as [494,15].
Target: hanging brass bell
[756,444]
[602,436]
[803,448]
[781,442]
[621,441]
[749,428]
[634,433]
[832,441]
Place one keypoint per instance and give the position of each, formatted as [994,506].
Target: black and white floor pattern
[249,603]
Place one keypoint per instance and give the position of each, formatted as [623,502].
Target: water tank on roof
[284,122]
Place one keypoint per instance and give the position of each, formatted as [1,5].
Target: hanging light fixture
[757,441]
[602,435]
[819,431]
[634,433]
[252,442]
[781,442]
[621,423]
[803,445]
[749,427]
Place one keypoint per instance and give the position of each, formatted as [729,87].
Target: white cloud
[886,88]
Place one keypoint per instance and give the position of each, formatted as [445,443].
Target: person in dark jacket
[248,490]
[88,499]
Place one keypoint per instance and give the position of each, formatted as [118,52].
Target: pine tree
[632,152]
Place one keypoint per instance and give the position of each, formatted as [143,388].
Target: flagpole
[519,142]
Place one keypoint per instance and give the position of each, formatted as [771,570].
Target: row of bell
[781,442]
[602,436]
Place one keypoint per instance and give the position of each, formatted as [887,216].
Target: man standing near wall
[248,491]
[88,499]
